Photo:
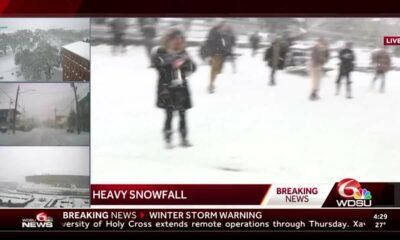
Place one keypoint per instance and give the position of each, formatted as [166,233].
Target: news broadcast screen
[204,118]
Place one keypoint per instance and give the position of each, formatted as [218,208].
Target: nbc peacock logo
[353,194]
[363,194]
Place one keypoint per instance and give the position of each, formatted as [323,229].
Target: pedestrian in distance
[319,56]
[149,33]
[275,55]
[381,61]
[346,66]
[219,45]
[118,27]
[254,42]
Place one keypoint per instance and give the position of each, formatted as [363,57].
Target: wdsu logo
[353,194]
[42,221]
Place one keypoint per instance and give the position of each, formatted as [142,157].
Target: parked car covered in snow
[298,54]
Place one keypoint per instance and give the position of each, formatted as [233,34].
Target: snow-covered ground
[43,200]
[45,137]
[8,70]
[247,132]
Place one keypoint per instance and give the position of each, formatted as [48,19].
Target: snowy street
[44,137]
[247,132]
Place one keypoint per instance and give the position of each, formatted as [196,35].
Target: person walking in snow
[219,46]
[347,58]
[118,29]
[275,55]
[382,62]
[319,56]
[173,65]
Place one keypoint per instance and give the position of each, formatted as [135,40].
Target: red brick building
[76,61]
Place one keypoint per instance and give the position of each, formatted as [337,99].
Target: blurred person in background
[382,62]
[118,27]
[173,65]
[275,55]
[346,66]
[254,42]
[319,56]
[149,33]
[219,45]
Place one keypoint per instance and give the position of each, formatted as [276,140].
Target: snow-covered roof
[6,106]
[80,48]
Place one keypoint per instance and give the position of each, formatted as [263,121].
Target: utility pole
[55,117]
[78,115]
[9,117]
[15,110]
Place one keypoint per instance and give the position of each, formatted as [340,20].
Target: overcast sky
[14,24]
[40,99]
[18,162]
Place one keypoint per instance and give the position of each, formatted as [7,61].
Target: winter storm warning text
[195,219]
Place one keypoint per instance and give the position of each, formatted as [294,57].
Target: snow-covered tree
[42,61]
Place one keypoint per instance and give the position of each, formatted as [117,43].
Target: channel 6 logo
[43,217]
[353,194]
[42,220]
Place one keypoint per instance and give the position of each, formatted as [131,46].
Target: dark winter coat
[276,55]
[220,42]
[382,60]
[347,59]
[229,41]
[173,91]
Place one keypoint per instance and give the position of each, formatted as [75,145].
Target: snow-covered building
[76,185]
[60,180]
[76,61]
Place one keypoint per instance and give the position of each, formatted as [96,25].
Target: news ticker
[345,193]
[144,220]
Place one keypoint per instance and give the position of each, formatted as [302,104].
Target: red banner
[179,194]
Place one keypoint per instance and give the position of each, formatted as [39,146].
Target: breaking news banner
[200,219]
[347,206]
[346,193]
